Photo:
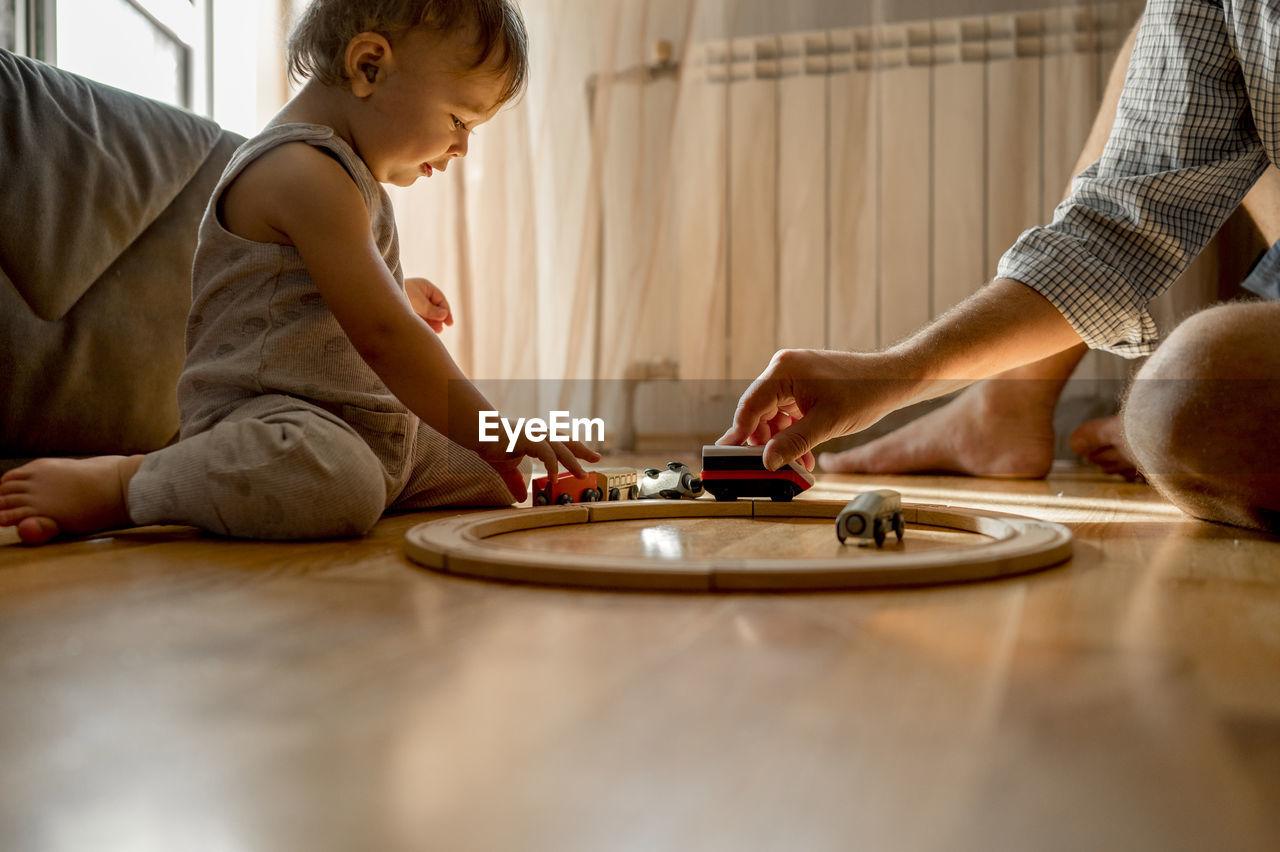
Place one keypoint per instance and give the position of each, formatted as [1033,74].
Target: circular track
[472,545]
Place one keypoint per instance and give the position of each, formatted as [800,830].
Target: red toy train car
[733,472]
[611,483]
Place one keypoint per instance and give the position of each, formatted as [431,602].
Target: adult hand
[429,303]
[807,396]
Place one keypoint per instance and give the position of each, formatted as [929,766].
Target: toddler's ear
[367,54]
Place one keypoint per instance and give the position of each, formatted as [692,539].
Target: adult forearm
[805,397]
[1004,325]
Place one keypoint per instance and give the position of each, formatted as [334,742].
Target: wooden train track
[944,544]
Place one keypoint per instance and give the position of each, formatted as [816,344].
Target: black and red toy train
[732,472]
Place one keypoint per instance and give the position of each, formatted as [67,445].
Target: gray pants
[281,468]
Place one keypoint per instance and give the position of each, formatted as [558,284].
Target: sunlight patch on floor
[1045,500]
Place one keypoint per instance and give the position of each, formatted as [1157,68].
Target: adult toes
[846,461]
[1084,441]
[1094,435]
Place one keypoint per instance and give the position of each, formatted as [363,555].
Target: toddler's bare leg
[49,497]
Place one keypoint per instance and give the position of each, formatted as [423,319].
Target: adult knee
[1203,416]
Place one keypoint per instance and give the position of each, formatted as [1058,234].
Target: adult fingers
[796,442]
[787,418]
[760,403]
[763,432]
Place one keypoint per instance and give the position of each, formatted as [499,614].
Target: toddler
[315,394]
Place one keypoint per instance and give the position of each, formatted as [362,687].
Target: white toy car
[674,483]
[870,516]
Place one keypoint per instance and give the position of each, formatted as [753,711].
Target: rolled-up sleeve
[1182,154]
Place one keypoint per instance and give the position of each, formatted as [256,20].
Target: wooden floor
[163,690]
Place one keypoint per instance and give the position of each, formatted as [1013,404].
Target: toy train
[610,483]
[727,474]
[733,472]
[871,515]
[674,483]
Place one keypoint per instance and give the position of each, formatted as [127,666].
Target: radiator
[833,189]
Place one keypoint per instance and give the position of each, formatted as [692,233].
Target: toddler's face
[423,108]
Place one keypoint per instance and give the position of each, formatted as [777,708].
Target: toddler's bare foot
[1101,442]
[991,429]
[49,497]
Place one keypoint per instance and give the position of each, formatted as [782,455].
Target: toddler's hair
[318,42]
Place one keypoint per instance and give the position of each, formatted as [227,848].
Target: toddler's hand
[552,454]
[429,303]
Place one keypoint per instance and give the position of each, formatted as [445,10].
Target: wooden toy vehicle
[565,489]
[871,515]
[618,483]
[677,481]
[611,483]
[733,472]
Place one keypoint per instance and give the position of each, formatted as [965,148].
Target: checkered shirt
[1197,124]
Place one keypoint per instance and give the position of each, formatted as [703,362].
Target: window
[156,48]
[223,59]
[8,39]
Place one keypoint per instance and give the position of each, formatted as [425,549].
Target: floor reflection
[662,542]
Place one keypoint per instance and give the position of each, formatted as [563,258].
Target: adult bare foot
[49,497]
[994,428]
[1101,442]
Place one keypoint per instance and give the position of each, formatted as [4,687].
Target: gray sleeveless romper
[286,432]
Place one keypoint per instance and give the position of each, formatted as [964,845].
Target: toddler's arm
[308,197]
